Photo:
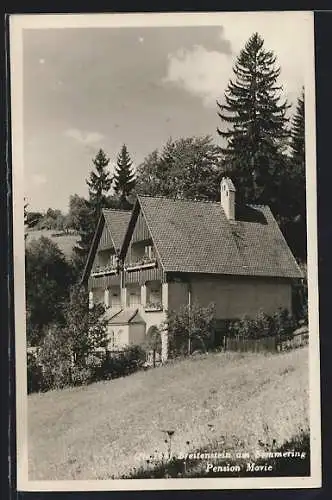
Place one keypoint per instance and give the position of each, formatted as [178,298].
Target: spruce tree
[298,132]
[297,182]
[124,178]
[99,182]
[255,120]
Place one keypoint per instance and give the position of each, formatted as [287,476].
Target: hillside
[108,428]
[65,242]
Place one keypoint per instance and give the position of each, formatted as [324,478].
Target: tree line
[263,151]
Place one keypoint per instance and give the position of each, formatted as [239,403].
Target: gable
[141,231]
[111,228]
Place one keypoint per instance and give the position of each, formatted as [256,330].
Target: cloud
[83,137]
[38,179]
[41,61]
[205,73]
[199,71]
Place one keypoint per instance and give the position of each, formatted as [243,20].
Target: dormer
[227,197]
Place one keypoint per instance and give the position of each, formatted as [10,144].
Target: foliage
[295,228]
[48,278]
[124,179]
[85,328]
[189,329]
[186,168]
[153,343]
[99,182]
[55,359]
[281,324]
[53,219]
[256,119]
[34,373]
[298,132]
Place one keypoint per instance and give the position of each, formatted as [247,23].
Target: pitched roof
[117,222]
[195,236]
[126,316]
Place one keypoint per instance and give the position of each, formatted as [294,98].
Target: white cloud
[83,137]
[38,179]
[199,71]
[205,73]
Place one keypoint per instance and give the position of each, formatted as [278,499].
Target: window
[148,251]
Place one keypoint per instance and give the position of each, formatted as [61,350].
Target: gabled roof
[116,222]
[197,237]
[126,316]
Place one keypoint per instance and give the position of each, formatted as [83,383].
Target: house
[168,253]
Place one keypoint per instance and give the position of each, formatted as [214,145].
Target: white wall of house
[118,336]
[136,333]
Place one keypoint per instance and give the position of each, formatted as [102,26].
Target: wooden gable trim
[130,229]
[153,240]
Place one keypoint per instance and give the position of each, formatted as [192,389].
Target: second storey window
[149,251]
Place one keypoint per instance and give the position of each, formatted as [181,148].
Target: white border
[17,24]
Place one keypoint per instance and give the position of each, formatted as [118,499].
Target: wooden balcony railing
[143,263]
[102,270]
[153,306]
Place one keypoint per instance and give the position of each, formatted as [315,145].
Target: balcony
[104,270]
[142,263]
[153,307]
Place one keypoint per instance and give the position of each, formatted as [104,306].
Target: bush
[189,329]
[281,324]
[35,374]
[125,362]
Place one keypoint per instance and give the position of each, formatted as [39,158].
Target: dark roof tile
[116,222]
[195,236]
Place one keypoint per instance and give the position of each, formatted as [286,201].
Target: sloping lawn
[108,428]
[65,242]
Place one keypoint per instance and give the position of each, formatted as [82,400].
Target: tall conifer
[124,178]
[254,122]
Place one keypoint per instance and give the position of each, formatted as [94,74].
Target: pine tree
[256,118]
[297,227]
[124,178]
[99,182]
[298,132]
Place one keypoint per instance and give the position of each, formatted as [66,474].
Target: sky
[86,88]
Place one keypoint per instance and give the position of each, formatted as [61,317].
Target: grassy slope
[66,242]
[107,428]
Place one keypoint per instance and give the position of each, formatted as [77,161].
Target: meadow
[110,429]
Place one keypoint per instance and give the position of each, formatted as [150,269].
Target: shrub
[35,374]
[281,324]
[189,329]
[123,363]
[55,359]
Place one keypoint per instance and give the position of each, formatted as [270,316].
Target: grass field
[108,428]
[65,242]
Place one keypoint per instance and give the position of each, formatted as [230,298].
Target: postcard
[165,251]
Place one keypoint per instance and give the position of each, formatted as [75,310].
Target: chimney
[227,197]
